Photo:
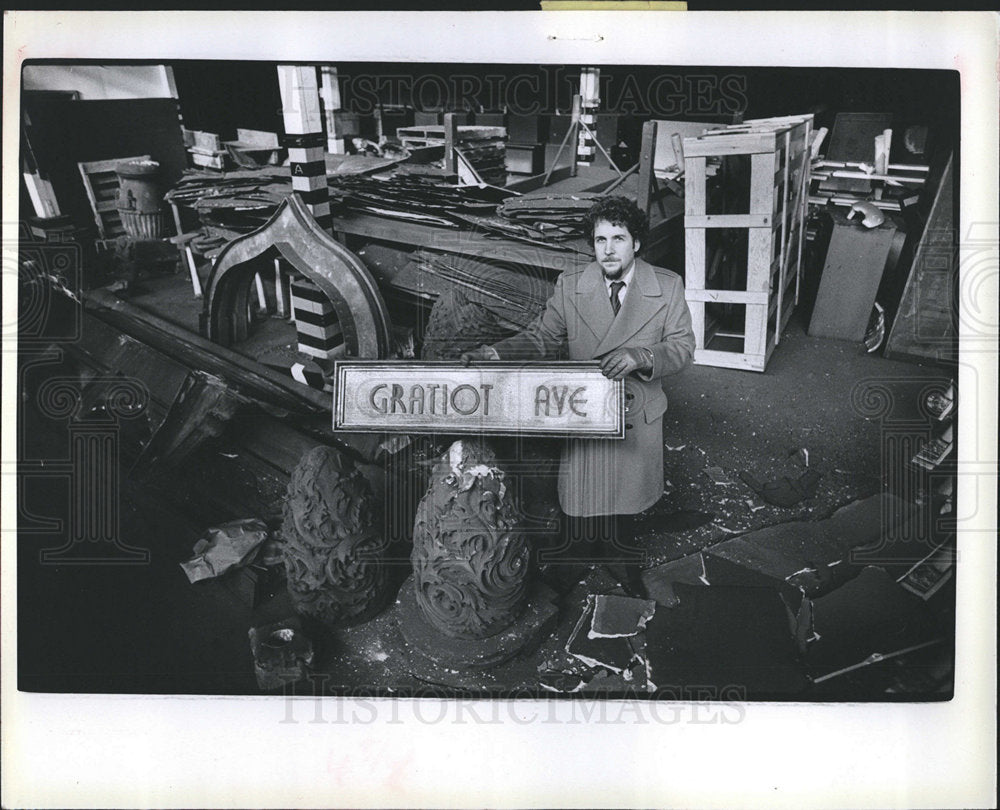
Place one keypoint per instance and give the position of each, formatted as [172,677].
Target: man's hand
[622,362]
[480,354]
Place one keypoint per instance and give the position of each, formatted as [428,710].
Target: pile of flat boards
[554,217]
[483,147]
[240,201]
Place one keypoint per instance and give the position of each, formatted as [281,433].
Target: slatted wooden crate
[101,184]
[777,150]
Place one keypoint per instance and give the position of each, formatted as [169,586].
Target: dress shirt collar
[626,279]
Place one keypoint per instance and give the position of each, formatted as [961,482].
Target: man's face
[614,248]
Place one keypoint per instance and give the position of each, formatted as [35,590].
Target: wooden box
[776,151]
[525,158]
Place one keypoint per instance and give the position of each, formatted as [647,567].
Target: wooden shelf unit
[778,150]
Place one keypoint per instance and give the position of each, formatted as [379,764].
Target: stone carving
[470,558]
[333,544]
[457,325]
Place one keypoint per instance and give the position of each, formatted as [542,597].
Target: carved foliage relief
[333,542]
[470,560]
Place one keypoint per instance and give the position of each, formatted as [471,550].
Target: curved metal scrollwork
[340,274]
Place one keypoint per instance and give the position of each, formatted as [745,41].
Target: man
[632,317]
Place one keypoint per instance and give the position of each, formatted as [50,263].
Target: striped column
[316,325]
[586,149]
[300,109]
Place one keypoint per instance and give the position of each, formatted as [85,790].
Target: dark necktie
[616,288]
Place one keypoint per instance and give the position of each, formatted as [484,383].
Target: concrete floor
[147,629]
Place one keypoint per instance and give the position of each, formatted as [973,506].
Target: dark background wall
[63,132]
[221,97]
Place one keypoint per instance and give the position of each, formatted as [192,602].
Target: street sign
[568,398]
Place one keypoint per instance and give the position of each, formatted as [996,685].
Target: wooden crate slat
[779,151]
[709,145]
[712,357]
[762,169]
[694,186]
[783,250]
[759,250]
[697,310]
[727,296]
[694,258]
[755,331]
[728,221]
[101,186]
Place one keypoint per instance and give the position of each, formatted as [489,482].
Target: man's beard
[616,273]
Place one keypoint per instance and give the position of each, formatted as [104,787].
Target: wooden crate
[777,150]
[101,184]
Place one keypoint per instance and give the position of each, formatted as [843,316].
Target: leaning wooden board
[925,322]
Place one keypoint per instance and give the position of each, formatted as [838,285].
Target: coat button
[628,426]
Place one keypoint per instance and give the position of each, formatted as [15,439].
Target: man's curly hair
[618,211]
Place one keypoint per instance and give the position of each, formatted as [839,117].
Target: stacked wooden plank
[556,216]
[778,153]
[208,151]
[483,147]
[240,201]
[857,165]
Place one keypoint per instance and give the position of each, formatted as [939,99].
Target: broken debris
[225,547]
[785,491]
[619,616]
[282,654]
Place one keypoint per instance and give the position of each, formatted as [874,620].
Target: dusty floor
[147,629]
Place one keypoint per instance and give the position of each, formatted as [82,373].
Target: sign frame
[342,368]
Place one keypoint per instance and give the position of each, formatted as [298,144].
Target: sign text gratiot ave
[503,398]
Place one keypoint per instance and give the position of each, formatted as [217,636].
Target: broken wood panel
[200,411]
[855,262]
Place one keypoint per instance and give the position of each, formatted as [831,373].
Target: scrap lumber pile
[206,150]
[484,148]
[243,200]
[414,198]
[239,201]
[857,167]
[418,199]
[552,218]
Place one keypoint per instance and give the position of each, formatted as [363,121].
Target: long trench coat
[606,476]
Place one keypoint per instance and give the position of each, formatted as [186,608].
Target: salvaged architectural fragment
[333,540]
[457,325]
[470,559]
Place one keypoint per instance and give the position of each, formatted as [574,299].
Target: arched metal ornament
[505,398]
[295,235]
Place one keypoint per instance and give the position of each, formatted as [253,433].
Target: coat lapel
[592,305]
[642,301]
